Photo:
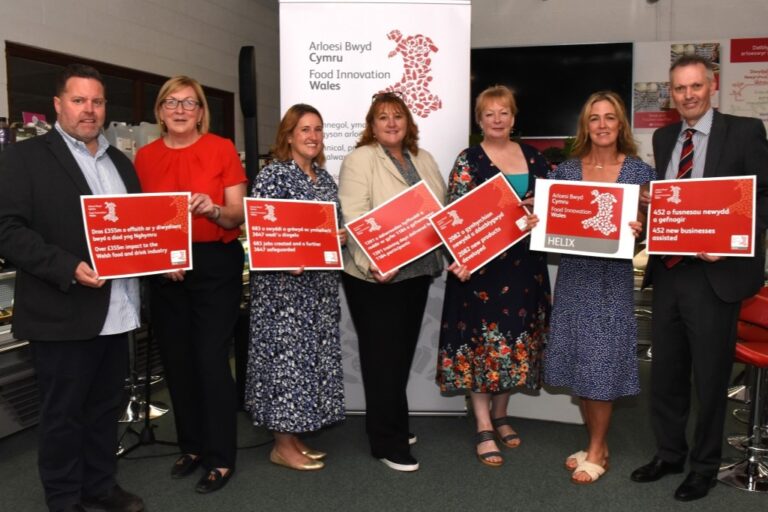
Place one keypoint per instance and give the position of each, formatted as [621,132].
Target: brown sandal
[481,437]
[509,439]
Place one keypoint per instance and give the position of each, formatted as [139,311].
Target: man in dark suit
[696,300]
[77,323]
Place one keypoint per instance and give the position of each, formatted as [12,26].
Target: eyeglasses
[388,94]
[186,104]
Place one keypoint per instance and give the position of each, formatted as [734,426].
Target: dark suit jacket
[42,233]
[737,146]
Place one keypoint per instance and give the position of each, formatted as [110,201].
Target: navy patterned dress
[593,333]
[493,329]
[294,376]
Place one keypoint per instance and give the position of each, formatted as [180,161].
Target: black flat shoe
[184,466]
[116,499]
[694,487]
[213,481]
[655,470]
[75,507]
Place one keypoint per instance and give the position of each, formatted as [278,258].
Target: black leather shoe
[694,487]
[213,481]
[654,470]
[75,507]
[185,466]
[117,500]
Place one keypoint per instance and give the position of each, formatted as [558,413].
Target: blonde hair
[625,143]
[500,93]
[174,84]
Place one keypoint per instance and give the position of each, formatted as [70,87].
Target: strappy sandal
[578,457]
[594,471]
[509,440]
[481,437]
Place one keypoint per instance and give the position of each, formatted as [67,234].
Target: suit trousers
[694,335]
[387,318]
[194,321]
[81,391]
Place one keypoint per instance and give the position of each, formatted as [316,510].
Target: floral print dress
[494,325]
[294,377]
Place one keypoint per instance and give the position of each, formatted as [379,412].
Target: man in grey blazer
[77,323]
[696,301]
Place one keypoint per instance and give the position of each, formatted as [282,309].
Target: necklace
[602,166]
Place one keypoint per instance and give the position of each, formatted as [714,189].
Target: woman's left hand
[637,227]
[296,271]
[202,205]
[342,234]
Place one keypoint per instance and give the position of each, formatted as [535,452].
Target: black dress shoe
[185,466]
[213,481]
[694,486]
[75,507]
[117,500]
[654,470]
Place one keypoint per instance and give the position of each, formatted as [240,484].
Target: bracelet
[217,214]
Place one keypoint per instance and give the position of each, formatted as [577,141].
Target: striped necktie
[683,172]
[686,156]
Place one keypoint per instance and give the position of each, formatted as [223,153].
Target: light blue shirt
[103,179]
[700,139]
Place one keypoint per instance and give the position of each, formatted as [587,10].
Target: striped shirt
[102,177]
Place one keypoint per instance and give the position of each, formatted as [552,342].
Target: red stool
[751,474]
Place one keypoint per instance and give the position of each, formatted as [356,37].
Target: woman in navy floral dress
[294,376]
[494,324]
[593,335]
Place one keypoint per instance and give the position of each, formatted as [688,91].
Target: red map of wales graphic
[414,84]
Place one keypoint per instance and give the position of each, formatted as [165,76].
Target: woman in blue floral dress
[494,324]
[593,336]
[295,376]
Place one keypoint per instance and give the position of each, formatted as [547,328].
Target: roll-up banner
[335,55]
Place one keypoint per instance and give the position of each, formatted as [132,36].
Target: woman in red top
[194,312]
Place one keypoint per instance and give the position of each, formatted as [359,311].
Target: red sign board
[398,231]
[138,234]
[482,224]
[286,234]
[585,218]
[711,215]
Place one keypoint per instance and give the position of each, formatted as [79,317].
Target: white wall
[544,22]
[199,38]
[202,38]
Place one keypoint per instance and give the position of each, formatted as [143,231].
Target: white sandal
[579,457]
[594,471]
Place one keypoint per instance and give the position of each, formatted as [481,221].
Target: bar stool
[751,474]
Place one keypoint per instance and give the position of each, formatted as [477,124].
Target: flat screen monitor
[551,83]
